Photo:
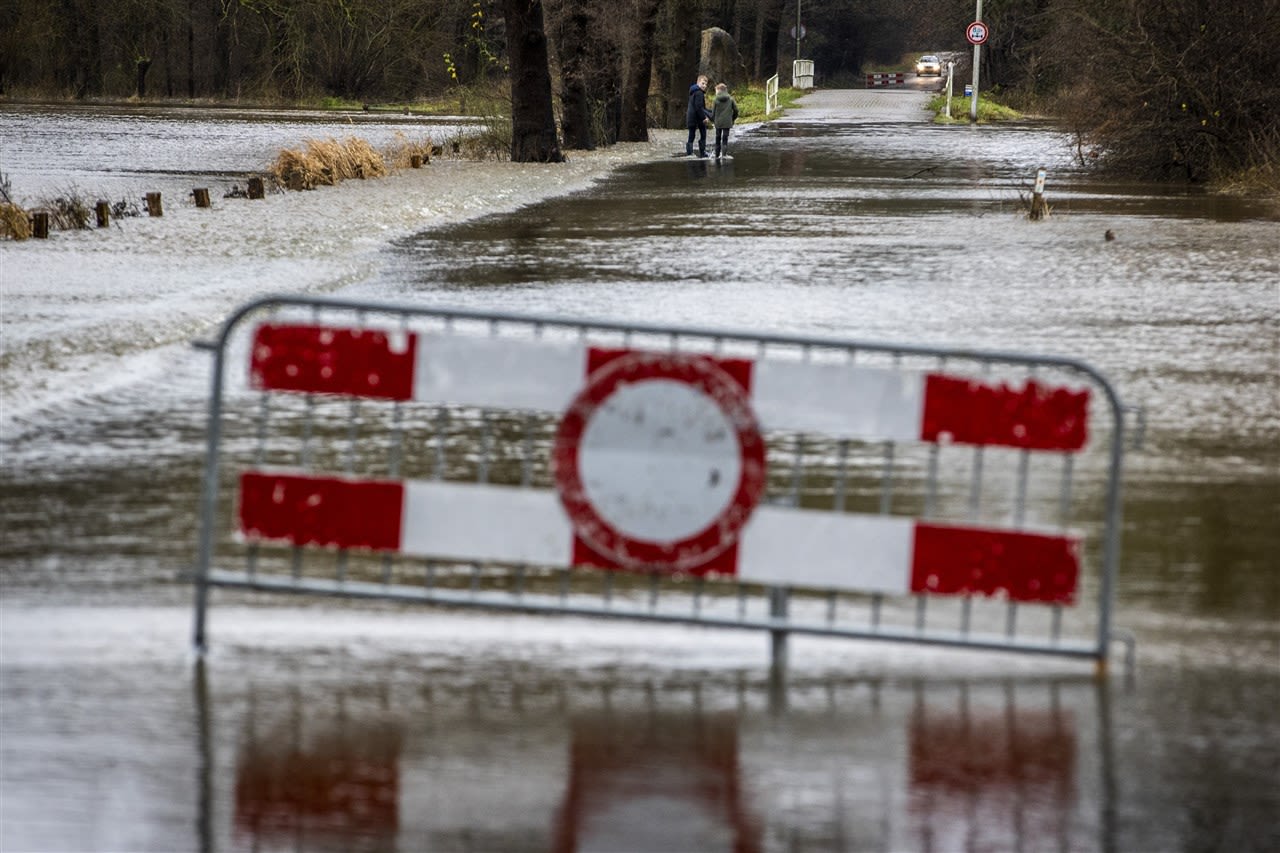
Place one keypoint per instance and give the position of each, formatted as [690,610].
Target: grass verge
[989,110]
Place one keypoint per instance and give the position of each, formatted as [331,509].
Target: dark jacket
[697,112]
[724,111]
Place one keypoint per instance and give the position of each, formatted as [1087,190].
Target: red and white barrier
[886,79]
[659,463]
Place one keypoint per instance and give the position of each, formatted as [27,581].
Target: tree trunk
[533,122]
[575,112]
[144,65]
[687,37]
[634,126]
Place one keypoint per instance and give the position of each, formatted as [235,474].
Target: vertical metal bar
[442,422]
[429,581]
[975,485]
[1111,542]
[831,607]
[475,579]
[886,479]
[520,570]
[842,474]
[486,442]
[608,589]
[1064,520]
[699,582]
[308,416]
[877,601]
[526,453]
[797,466]
[353,421]
[653,591]
[209,495]
[778,598]
[260,439]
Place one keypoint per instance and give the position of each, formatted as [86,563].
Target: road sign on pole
[977,33]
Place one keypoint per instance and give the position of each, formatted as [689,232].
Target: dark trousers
[722,140]
[701,131]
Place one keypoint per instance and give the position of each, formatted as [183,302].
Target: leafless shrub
[400,153]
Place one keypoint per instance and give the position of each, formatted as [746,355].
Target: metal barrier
[771,95]
[682,475]
[886,79]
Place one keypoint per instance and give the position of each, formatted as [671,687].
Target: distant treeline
[1181,88]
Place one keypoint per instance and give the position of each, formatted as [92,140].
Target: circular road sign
[977,33]
[659,460]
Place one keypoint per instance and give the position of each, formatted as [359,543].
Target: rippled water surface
[319,725]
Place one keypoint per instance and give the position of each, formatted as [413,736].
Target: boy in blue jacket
[697,116]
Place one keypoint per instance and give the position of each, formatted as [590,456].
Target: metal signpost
[977,33]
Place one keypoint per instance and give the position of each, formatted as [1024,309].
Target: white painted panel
[866,553]
[467,521]
[499,372]
[842,401]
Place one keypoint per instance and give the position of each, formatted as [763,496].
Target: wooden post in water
[415,161]
[103,209]
[40,225]
[202,196]
[154,207]
[1039,207]
[256,190]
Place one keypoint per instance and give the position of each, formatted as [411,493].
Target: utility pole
[977,57]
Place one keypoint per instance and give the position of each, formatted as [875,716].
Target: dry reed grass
[327,161]
[14,222]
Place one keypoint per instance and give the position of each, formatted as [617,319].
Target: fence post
[202,196]
[154,205]
[40,225]
[1039,207]
[103,210]
[256,189]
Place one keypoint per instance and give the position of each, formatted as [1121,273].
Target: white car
[929,65]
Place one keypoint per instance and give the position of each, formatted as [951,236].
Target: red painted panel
[1034,417]
[325,511]
[966,561]
[321,360]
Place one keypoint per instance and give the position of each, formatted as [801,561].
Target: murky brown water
[320,726]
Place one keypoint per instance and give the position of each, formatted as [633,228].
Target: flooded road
[321,726]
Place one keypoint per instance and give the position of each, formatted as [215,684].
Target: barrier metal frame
[710,603]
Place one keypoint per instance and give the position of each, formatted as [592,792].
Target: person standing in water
[724,112]
[697,116]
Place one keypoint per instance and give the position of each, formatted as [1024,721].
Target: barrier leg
[778,636]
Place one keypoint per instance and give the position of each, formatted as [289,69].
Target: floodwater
[315,725]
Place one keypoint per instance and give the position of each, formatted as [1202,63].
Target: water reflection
[331,783]
[712,762]
[991,776]
[654,780]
